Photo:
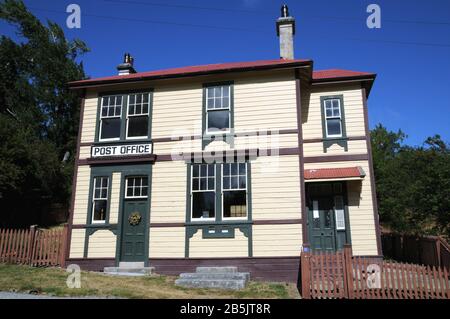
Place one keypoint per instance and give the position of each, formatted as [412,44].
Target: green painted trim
[226,137]
[218,231]
[347,214]
[249,209]
[123,122]
[218,192]
[329,141]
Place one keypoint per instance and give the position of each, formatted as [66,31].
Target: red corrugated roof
[195,70]
[333,173]
[222,67]
[336,73]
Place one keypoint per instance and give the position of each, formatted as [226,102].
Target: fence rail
[427,250]
[342,275]
[33,246]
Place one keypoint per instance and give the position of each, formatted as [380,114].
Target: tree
[413,183]
[38,115]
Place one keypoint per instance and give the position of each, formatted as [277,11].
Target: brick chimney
[127,66]
[286,32]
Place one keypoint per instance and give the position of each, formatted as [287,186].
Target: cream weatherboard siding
[115,198]
[276,188]
[353,110]
[218,247]
[316,149]
[167,242]
[277,240]
[77,243]
[168,193]
[362,224]
[89,117]
[81,203]
[102,244]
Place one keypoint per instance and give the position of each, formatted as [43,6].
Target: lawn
[52,281]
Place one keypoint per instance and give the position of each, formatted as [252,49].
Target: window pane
[119,100]
[210,104]
[129,191]
[242,181]
[144,181]
[210,183]
[99,210]
[234,168]
[97,193]
[202,183]
[234,204]
[104,193]
[203,170]
[329,112]
[203,205]
[104,101]
[226,91]
[234,182]
[195,170]
[218,121]
[211,170]
[110,128]
[334,127]
[226,169]
[145,96]
[218,91]
[137,126]
[104,182]
[241,168]
[210,92]
[104,111]
[226,183]
[144,191]
[195,184]
[137,191]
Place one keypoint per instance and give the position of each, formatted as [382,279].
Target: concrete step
[119,271]
[131,264]
[235,284]
[209,275]
[221,270]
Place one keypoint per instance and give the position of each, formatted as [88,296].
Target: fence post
[31,244]
[305,271]
[348,268]
[63,247]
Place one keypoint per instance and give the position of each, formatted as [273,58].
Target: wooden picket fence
[34,247]
[342,275]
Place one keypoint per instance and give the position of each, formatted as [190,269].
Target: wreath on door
[134,219]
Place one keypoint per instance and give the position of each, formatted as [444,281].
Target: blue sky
[410,53]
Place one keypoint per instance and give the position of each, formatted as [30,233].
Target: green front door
[134,227]
[322,224]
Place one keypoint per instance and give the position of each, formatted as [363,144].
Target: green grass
[52,281]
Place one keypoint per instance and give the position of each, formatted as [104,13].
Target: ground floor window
[100,199]
[137,187]
[219,191]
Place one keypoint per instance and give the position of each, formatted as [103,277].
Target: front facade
[230,164]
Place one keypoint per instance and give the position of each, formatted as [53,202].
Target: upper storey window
[218,109]
[333,117]
[110,117]
[138,115]
[124,117]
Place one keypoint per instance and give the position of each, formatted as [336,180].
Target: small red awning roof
[334,173]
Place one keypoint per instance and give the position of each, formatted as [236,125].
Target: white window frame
[126,187]
[134,115]
[109,117]
[339,213]
[232,190]
[203,191]
[218,109]
[332,117]
[101,198]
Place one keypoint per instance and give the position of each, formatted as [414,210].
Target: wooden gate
[33,246]
[341,275]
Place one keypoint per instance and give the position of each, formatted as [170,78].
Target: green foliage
[38,114]
[413,183]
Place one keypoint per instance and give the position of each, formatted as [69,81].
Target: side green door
[322,224]
[134,227]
